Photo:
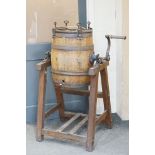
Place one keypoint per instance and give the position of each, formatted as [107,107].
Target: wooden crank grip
[115,37]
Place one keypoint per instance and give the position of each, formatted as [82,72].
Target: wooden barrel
[71,50]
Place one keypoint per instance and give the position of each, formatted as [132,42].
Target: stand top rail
[97,67]
[92,71]
[43,64]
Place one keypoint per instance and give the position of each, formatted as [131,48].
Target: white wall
[102,16]
[122,60]
[106,18]
[123,85]
[40,15]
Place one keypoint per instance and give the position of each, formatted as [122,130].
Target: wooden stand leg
[106,96]
[60,101]
[92,113]
[40,114]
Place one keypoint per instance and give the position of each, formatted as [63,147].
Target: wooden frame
[91,118]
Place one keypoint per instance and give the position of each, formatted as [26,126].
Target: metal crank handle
[107,57]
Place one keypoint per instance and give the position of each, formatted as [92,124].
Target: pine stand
[91,118]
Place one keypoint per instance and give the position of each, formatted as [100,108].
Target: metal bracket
[47,55]
[79,31]
[93,58]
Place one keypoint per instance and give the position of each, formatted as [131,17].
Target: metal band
[72,35]
[70,73]
[72,30]
[67,85]
[73,48]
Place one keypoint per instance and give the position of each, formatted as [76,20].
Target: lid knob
[66,22]
[78,25]
[89,24]
[55,24]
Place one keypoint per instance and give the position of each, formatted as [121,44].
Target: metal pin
[89,24]
[66,22]
[55,24]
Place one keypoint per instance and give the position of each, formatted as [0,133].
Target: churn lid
[70,31]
